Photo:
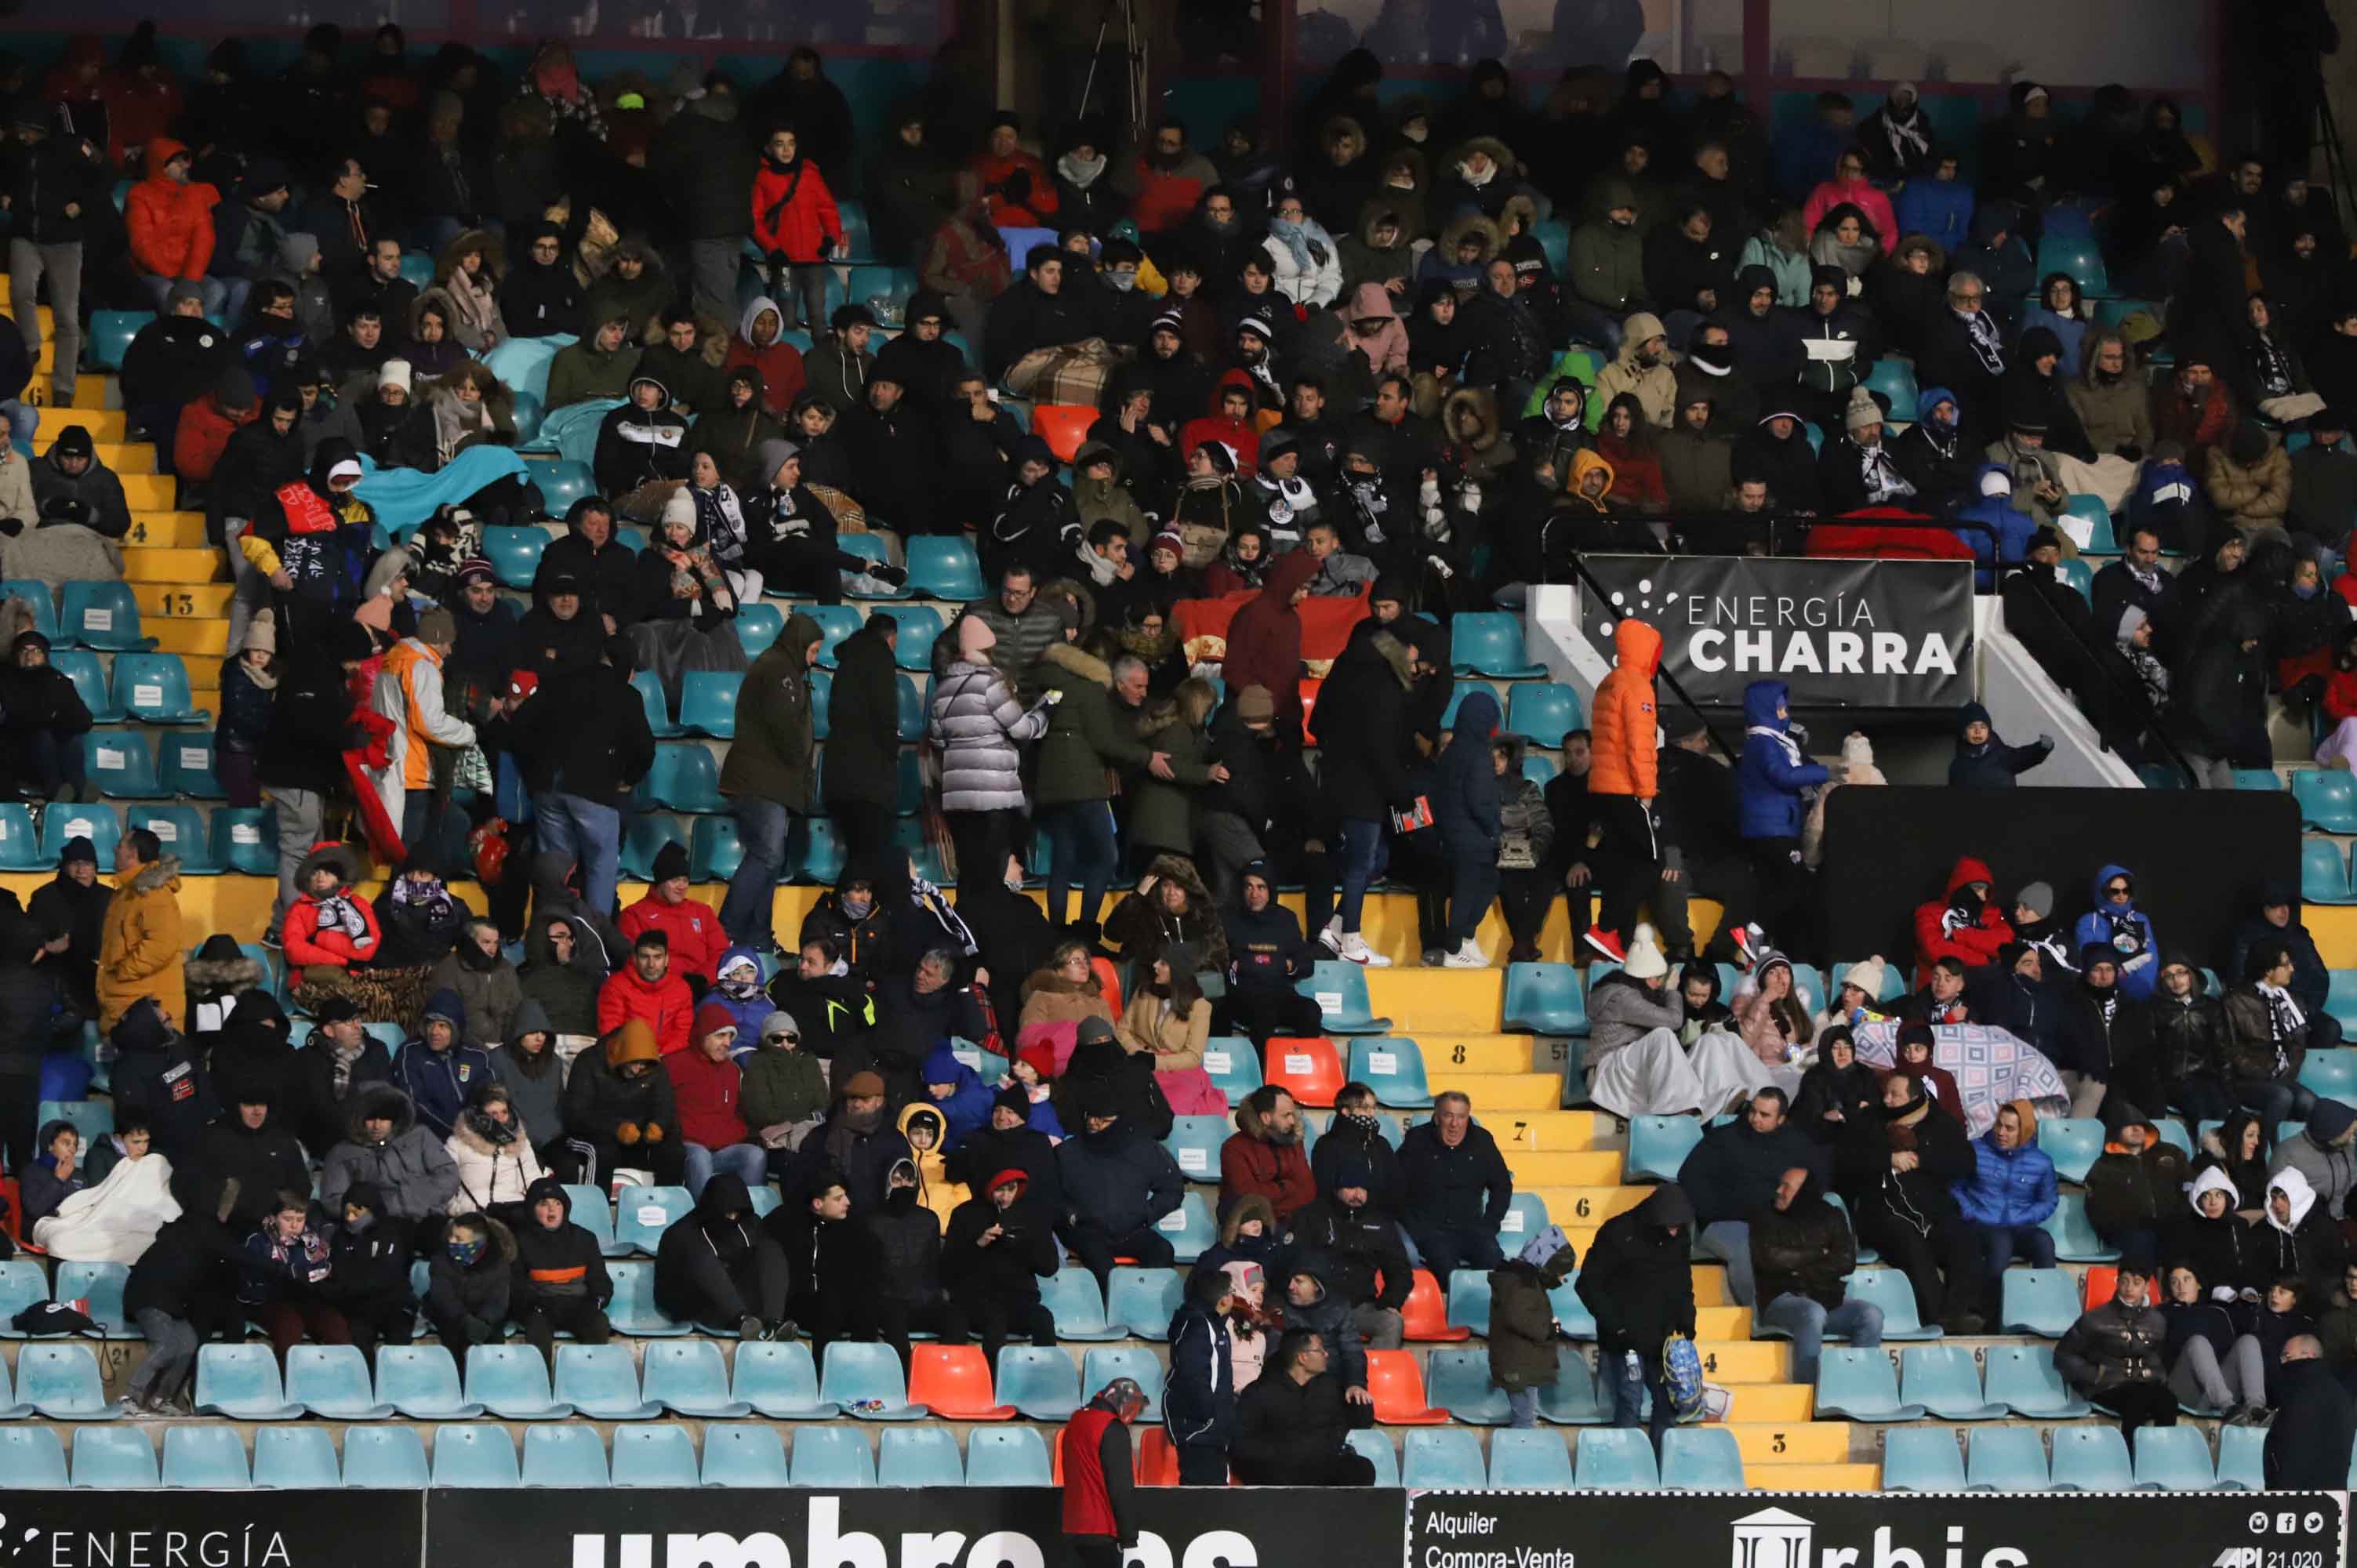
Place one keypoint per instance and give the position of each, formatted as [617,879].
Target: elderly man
[1964,350]
[1458,1190]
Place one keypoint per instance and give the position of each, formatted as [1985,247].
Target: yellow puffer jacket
[140,951]
[935,1190]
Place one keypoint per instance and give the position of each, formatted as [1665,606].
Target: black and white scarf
[1884,482]
[2270,366]
[2285,1021]
[1988,346]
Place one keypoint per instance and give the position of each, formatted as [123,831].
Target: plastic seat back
[1530,1461]
[1397,1381]
[563,482]
[245,840]
[154,688]
[714,851]
[2072,1143]
[919,1456]
[209,1456]
[1463,690]
[686,777]
[1922,1459]
[658,1455]
[644,1213]
[1105,1363]
[1544,712]
[690,1376]
[1007,1457]
[2332,1074]
[113,1459]
[779,1380]
[2075,1241]
[920,625]
[390,1458]
[332,1381]
[511,1382]
[1489,642]
[481,1458]
[1860,1385]
[295,1457]
[595,1215]
[1658,1146]
[1459,1382]
[2174,1459]
[103,614]
[857,1374]
[33,1458]
[2093,1459]
[188,768]
[1042,1382]
[1701,1459]
[514,552]
[1393,1068]
[22,1285]
[80,666]
[1889,1289]
[100,1285]
[1425,1314]
[745,1454]
[1189,1228]
[2023,1379]
[181,831]
[2242,1458]
[757,625]
[944,567]
[1234,1064]
[953,1382]
[831,1457]
[1451,1458]
[122,764]
[421,1382]
[1468,1300]
[62,1382]
[89,1118]
[707,702]
[1617,1459]
[1545,999]
[1340,989]
[2008,1459]
[1079,1308]
[561,1457]
[1309,1070]
[600,1382]
[1945,1380]
[1194,1145]
[21,848]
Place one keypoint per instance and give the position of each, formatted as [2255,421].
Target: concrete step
[1745,1361]
[1596,1167]
[1723,1322]
[166,530]
[1783,1443]
[175,635]
[156,565]
[1495,1091]
[1559,1131]
[1426,1004]
[103,425]
[1772,1402]
[197,601]
[1571,1206]
[96,390]
[1473,1053]
[1818,1479]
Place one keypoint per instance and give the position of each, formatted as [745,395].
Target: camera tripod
[1133,50]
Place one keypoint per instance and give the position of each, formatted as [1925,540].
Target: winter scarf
[432,899]
[720,517]
[1311,244]
[1988,346]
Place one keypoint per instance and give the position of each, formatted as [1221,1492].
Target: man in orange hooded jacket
[170,219]
[1622,782]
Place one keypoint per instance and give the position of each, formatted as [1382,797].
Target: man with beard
[1315,431]
[1964,351]
[893,453]
[855,1143]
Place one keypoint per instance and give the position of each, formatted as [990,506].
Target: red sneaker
[1748,954]
[1609,943]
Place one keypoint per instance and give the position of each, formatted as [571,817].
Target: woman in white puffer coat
[977,725]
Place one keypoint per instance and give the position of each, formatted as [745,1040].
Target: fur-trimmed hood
[1472,223]
[1476,410]
[1069,657]
[233,973]
[1342,124]
[382,1099]
[495,256]
[165,873]
[1396,654]
[1500,153]
[343,858]
[1914,243]
[1521,206]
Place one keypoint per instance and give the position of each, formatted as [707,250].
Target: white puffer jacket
[977,723]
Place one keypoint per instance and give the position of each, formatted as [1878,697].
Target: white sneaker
[1355,949]
[1469,956]
[1330,937]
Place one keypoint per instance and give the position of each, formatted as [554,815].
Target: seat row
[2090,1458]
[89,614]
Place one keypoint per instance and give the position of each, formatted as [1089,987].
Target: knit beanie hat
[1255,705]
[1862,411]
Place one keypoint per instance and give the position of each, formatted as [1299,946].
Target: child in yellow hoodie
[925,1130]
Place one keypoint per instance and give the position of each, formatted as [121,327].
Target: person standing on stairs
[56,177]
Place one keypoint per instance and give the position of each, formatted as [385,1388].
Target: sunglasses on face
[2116,890]
[783,1040]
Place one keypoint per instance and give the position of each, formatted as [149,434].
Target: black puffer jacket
[2188,1036]
[2113,1347]
[263,1161]
[1009,1270]
[904,1243]
[1464,1188]
[1918,1199]
[192,1260]
[708,1228]
[1352,1248]
[370,1266]
[155,1073]
[557,1265]
[1802,1250]
[475,1295]
[1638,1282]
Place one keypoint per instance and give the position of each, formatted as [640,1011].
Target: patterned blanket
[1990,1066]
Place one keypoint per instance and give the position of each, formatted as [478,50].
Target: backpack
[1682,1376]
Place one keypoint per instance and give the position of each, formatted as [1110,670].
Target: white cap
[1997,484]
[350,468]
[395,373]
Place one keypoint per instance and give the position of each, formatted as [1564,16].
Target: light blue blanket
[404,498]
[522,362]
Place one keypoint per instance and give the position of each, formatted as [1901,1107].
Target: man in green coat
[1084,740]
[598,365]
[768,774]
[784,1091]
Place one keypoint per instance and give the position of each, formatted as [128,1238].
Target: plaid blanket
[1989,1065]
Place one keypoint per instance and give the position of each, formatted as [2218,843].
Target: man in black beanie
[1356,1247]
[73,905]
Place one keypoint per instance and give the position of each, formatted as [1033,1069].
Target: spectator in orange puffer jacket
[170,217]
[1621,784]
[206,423]
[1016,188]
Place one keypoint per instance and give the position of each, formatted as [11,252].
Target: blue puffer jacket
[1773,770]
[2012,1188]
[2127,930]
[2006,532]
[1939,210]
[1465,799]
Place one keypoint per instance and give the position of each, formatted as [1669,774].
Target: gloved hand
[1469,496]
[778,259]
[1437,564]
[2222,1293]
[655,1133]
[626,1133]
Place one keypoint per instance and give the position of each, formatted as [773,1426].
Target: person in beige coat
[1644,368]
[2249,480]
[1064,989]
[1169,1017]
[2111,399]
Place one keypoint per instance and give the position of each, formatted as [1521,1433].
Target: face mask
[362,1226]
[1121,282]
[857,907]
[2307,590]
[464,1253]
[1621,222]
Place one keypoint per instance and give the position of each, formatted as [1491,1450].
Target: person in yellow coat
[926,1130]
[140,951]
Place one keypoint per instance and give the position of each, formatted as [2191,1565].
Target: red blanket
[1326,625]
[1855,535]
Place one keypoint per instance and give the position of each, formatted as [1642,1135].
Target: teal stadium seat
[153,688]
[595,1215]
[2174,1459]
[181,832]
[660,1454]
[780,1382]
[1449,1458]
[835,622]
[1490,642]
[99,1284]
[563,482]
[421,1381]
[871,547]
[685,778]
[822,856]
[1393,1068]
[240,1382]
[385,1458]
[2093,1459]
[80,666]
[514,552]
[111,332]
[1233,1064]
[2007,1459]
[2090,511]
[1143,1301]
[120,764]
[644,837]
[2330,1073]
[245,840]
[2023,1379]
[33,1458]
[1459,1382]
[1894,379]
[511,1382]
[1922,1459]
[1463,690]
[747,1456]
[1194,1145]
[919,1457]
[601,1383]
[633,1311]
[188,768]
[2260,779]
[707,702]
[1889,1289]
[2080,576]
[2078,257]
[649,686]
[21,848]
[331,1382]
[833,1458]
[1468,1300]
[1945,1380]
[944,567]
[757,625]
[1189,1228]
[113,1459]
[295,1458]
[206,1457]
[1701,1459]
[866,1380]
[715,850]
[1104,1363]
[567,1457]
[1007,1457]
[644,1213]
[1658,1146]
[1617,1459]
[476,1457]
[2324,874]
[103,615]
[2242,1459]
[690,1376]
[2071,1143]
[920,625]
[1860,1385]
[1529,1461]
[2327,799]
[89,1118]
[2075,1241]
[1072,1297]
[2044,1302]
[916,704]
[1340,989]
[1545,999]
[1543,712]
[1525,1218]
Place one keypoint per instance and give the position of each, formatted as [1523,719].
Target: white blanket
[1652,1075]
[115,1222]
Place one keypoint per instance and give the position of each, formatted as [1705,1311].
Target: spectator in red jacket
[1169,180]
[691,928]
[1263,1156]
[1265,641]
[645,989]
[329,924]
[795,225]
[170,218]
[710,1093]
[206,424]
[1016,189]
[1967,924]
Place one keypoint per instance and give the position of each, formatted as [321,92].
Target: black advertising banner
[943,1527]
[187,1529]
[1842,634]
[1862,1530]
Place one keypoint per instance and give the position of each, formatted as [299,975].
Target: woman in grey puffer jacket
[977,725]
